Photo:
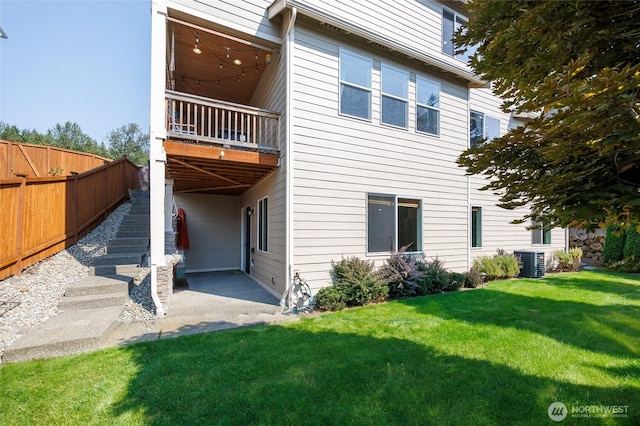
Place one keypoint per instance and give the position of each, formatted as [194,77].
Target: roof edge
[279,6]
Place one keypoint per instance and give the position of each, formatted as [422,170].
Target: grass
[496,355]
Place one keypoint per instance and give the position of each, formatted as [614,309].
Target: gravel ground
[33,297]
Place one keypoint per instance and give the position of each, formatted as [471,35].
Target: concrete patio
[212,301]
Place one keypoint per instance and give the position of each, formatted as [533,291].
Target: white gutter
[290,37]
[280,5]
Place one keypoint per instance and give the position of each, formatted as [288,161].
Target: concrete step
[127,249]
[133,241]
[99,285]
[92,301]
[145,232]
[135,217]
[134,226]
[119,259]
[102,270]
[71,332]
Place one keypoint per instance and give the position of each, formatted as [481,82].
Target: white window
[539,235]
[263,224]
[393,222]
[451,22]
[355,85]
[476,226]
[482,126]
[395,96]
[427,106]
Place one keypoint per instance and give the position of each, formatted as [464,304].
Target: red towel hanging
[183,235]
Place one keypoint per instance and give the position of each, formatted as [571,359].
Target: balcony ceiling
[201,74]
[204,170]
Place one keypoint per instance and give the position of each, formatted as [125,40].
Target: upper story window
[395,96]
[451,22]
[482,126]
[427,106]
[355,85]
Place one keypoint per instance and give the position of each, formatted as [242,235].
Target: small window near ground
[540,235]
[476,226]
[263,225]
[392,223]
[355,85]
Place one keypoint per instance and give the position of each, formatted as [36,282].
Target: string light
[195,48]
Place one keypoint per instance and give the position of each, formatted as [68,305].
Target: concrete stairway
[90,307]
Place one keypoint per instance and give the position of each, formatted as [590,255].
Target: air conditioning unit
[532,263]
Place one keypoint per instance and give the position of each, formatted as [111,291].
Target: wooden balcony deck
[216,147]
[218,123]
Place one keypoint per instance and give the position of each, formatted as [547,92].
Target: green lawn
[496,355]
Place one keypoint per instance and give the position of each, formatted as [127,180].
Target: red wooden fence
[23,159]
[43,215]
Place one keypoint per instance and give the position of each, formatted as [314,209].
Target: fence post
[75,206]
[19,225]
[48,159]
[106,192]
[10,153]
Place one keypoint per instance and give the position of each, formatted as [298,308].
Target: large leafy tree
[70,136]
[129,140]
[574,68]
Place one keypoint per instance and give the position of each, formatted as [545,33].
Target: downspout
[157,156]
[289,37]
[468,186]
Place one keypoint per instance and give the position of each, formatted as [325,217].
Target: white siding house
[305,131]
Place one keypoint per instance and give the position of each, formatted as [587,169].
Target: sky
[82,61]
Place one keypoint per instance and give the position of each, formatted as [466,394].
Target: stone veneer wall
[591,244]
[166,276]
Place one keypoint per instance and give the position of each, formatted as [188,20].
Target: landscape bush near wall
[42,216]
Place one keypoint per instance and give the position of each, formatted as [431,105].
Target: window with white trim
[395,96]
[355,85]
[393,222]
[476,226]
[427,106]
[451,22]
[482,127]
[540,235]
[263,224]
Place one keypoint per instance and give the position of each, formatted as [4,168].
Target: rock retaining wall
[591,244]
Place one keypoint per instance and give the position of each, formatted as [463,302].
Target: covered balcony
[219,141]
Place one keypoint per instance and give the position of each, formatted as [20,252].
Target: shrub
[497,266]
[614,243]
[401,273]
[568,261]
[330,299]
[631,244]
[456,281]
[473,278]
[357,282]
[434,279]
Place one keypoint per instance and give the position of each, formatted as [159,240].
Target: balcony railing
[210,121]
